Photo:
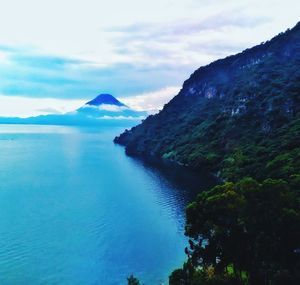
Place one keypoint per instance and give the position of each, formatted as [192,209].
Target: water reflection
[74,209]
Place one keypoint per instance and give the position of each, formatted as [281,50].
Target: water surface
[74,209]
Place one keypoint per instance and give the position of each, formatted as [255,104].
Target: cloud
[43,61]
[14,106]
[183,27]
[106,107]
[187,41]
[28,74]
[49,110]
[129,52]
[151,102]
[25,73]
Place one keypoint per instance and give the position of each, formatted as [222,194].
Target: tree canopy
[245,231]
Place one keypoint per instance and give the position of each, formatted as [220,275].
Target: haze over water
[74,209]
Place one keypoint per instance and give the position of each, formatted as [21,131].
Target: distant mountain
[105,99]
[105,106]
[236,116]
[104,109]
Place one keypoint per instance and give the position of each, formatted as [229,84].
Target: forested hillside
[236,116]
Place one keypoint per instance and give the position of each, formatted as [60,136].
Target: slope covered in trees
[244,233]
[236,116]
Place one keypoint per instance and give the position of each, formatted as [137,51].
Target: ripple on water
[74,209]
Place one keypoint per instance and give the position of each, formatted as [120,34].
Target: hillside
[236,116]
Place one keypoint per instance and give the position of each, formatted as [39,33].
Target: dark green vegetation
[244,233]
[238,117]
[131,280]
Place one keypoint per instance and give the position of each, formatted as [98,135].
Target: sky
[57,54]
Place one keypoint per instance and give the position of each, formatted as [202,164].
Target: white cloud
[77,49]
[151,101]
[14,106]
[106,107]
[84,29]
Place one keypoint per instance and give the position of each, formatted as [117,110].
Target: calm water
[74,209]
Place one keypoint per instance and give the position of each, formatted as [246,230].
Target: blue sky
[55,55]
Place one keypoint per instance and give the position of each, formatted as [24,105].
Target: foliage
[247,232]
[133,280]
[238,116]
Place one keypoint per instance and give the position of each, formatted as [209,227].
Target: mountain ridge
[230,111]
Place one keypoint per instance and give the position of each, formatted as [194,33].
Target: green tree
[248,231]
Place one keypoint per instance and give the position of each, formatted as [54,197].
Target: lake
[74,209]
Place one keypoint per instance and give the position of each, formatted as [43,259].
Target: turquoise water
[74,209]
